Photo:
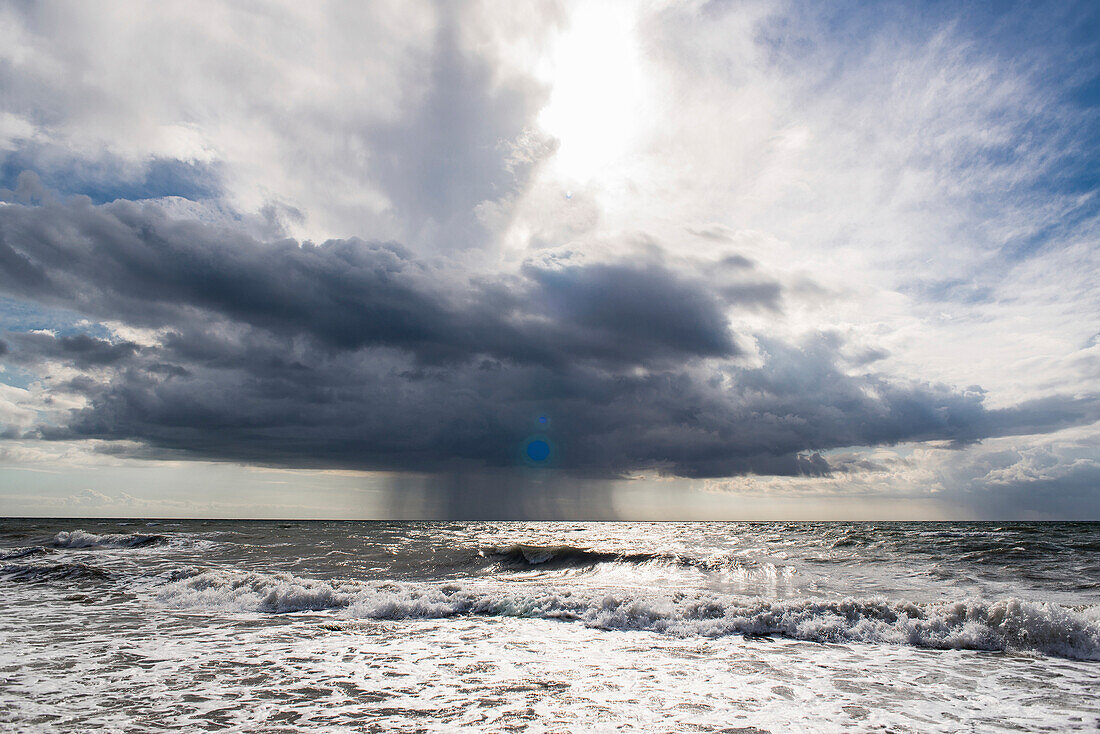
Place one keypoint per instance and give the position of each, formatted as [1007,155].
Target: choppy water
[563,627]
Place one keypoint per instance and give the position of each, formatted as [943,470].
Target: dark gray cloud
[133,264]
[358,355]
[620,310]
[80,350]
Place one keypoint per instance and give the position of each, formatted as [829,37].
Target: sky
[551,260]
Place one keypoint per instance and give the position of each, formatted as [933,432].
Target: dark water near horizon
[116,625]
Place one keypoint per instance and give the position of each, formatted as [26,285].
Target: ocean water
[138,626]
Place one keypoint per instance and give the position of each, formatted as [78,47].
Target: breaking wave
[82,539]
[1003,625]
[559,556]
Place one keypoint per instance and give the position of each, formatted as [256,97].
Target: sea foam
[1001,625]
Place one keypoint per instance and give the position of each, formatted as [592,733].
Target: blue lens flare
[538,450]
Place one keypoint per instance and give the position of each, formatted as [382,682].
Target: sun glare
[595,108]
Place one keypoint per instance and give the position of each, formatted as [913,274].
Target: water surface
[136,626]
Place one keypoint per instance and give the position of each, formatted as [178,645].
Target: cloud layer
[360,355]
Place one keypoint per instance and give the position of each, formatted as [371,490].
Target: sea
[263,626]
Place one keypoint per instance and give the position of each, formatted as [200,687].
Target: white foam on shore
[1001,625]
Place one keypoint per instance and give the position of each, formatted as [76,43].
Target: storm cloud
[131,263]
[355,354]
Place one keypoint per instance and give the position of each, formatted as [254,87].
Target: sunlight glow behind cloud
[597,107]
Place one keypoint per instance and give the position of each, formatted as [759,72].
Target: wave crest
[558,556]
[82,539]
[33,550]
[43,572]
[522,556]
